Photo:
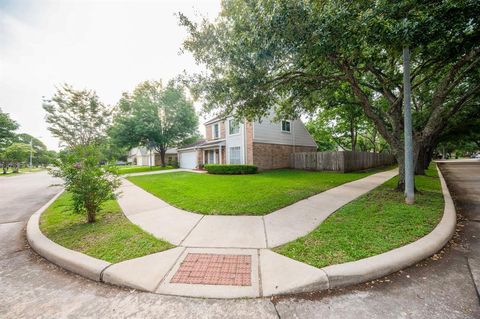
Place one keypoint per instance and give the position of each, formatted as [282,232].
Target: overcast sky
[108,45]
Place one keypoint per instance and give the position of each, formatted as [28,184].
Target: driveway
[441,287]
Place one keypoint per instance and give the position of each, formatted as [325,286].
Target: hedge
[230,169]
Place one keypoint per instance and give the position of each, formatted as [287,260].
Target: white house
[141,156]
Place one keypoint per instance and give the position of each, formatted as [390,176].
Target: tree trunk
[91,213]
[421,159]
[162,156]
[400,156]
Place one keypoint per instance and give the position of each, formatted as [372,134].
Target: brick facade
[272,156]
[208,130]
[249,141]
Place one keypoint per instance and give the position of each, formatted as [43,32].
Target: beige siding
[270,132]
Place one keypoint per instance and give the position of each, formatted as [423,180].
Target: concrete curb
[76,262]
[319,279]
[394,260]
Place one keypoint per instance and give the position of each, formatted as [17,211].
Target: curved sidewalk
[238,270]
[188,229]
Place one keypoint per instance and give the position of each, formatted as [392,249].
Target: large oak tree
[290,55]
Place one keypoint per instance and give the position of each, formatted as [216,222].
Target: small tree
[89,183]
[77,117]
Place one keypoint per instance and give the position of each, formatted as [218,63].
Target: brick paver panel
[214,269]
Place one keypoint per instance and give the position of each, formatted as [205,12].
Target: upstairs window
[216,130]
[285,126]
[233,127]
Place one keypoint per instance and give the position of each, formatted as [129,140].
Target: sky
[106,45]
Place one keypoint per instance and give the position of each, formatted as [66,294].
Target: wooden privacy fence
[344,161]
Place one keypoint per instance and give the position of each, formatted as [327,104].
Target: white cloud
[109,46]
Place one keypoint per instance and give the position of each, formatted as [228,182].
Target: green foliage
[256,194]
[41,156]
[7,130]
[76,117]
[14,155]
[231,169]
[89,184]
[294,56]
[154,117]
[112,238]
[372,224]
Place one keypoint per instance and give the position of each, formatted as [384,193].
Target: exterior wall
[249,142]
[234,140]
[273,156]
[168,158]
[208,130]
[271,132]
[199,157]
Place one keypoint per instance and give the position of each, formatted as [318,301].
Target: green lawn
[112,237]
[256,194]
[375,223]
[140,169]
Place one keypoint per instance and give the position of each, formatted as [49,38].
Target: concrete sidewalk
[228,237]
[209,231]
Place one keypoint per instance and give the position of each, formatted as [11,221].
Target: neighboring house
[141,156]
[267,144]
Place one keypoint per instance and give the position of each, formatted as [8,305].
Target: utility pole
[409,169]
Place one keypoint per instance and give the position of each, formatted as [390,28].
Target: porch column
[220,154]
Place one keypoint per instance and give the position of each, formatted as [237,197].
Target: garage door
[188,159]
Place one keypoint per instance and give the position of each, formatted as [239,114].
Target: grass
[112,237]
[257,194]
[374,223]
[22,170]
[140,169]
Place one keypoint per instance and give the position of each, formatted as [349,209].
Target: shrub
[230,169]
[90,184]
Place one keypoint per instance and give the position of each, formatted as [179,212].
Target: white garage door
[188,159]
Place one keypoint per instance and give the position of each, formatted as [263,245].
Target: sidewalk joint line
[260,288]
[221,247]
[265,231]
[191,230]
[472,278]
[103,270]
[169,270]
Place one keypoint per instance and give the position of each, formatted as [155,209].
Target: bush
[90,184]
[230,169]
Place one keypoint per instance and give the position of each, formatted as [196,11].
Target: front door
[211,157]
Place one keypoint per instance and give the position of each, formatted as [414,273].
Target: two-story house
[267,144]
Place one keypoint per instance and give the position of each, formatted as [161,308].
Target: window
[216,130]
[233,127]
[285,126]
[235,155]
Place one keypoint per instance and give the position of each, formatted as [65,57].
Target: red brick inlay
[214,269]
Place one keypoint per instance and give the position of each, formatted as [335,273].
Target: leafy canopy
[154,116]
[7,129]
[291,55]
[77,117]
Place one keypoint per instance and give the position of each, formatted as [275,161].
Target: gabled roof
[193,145]
[215,119]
